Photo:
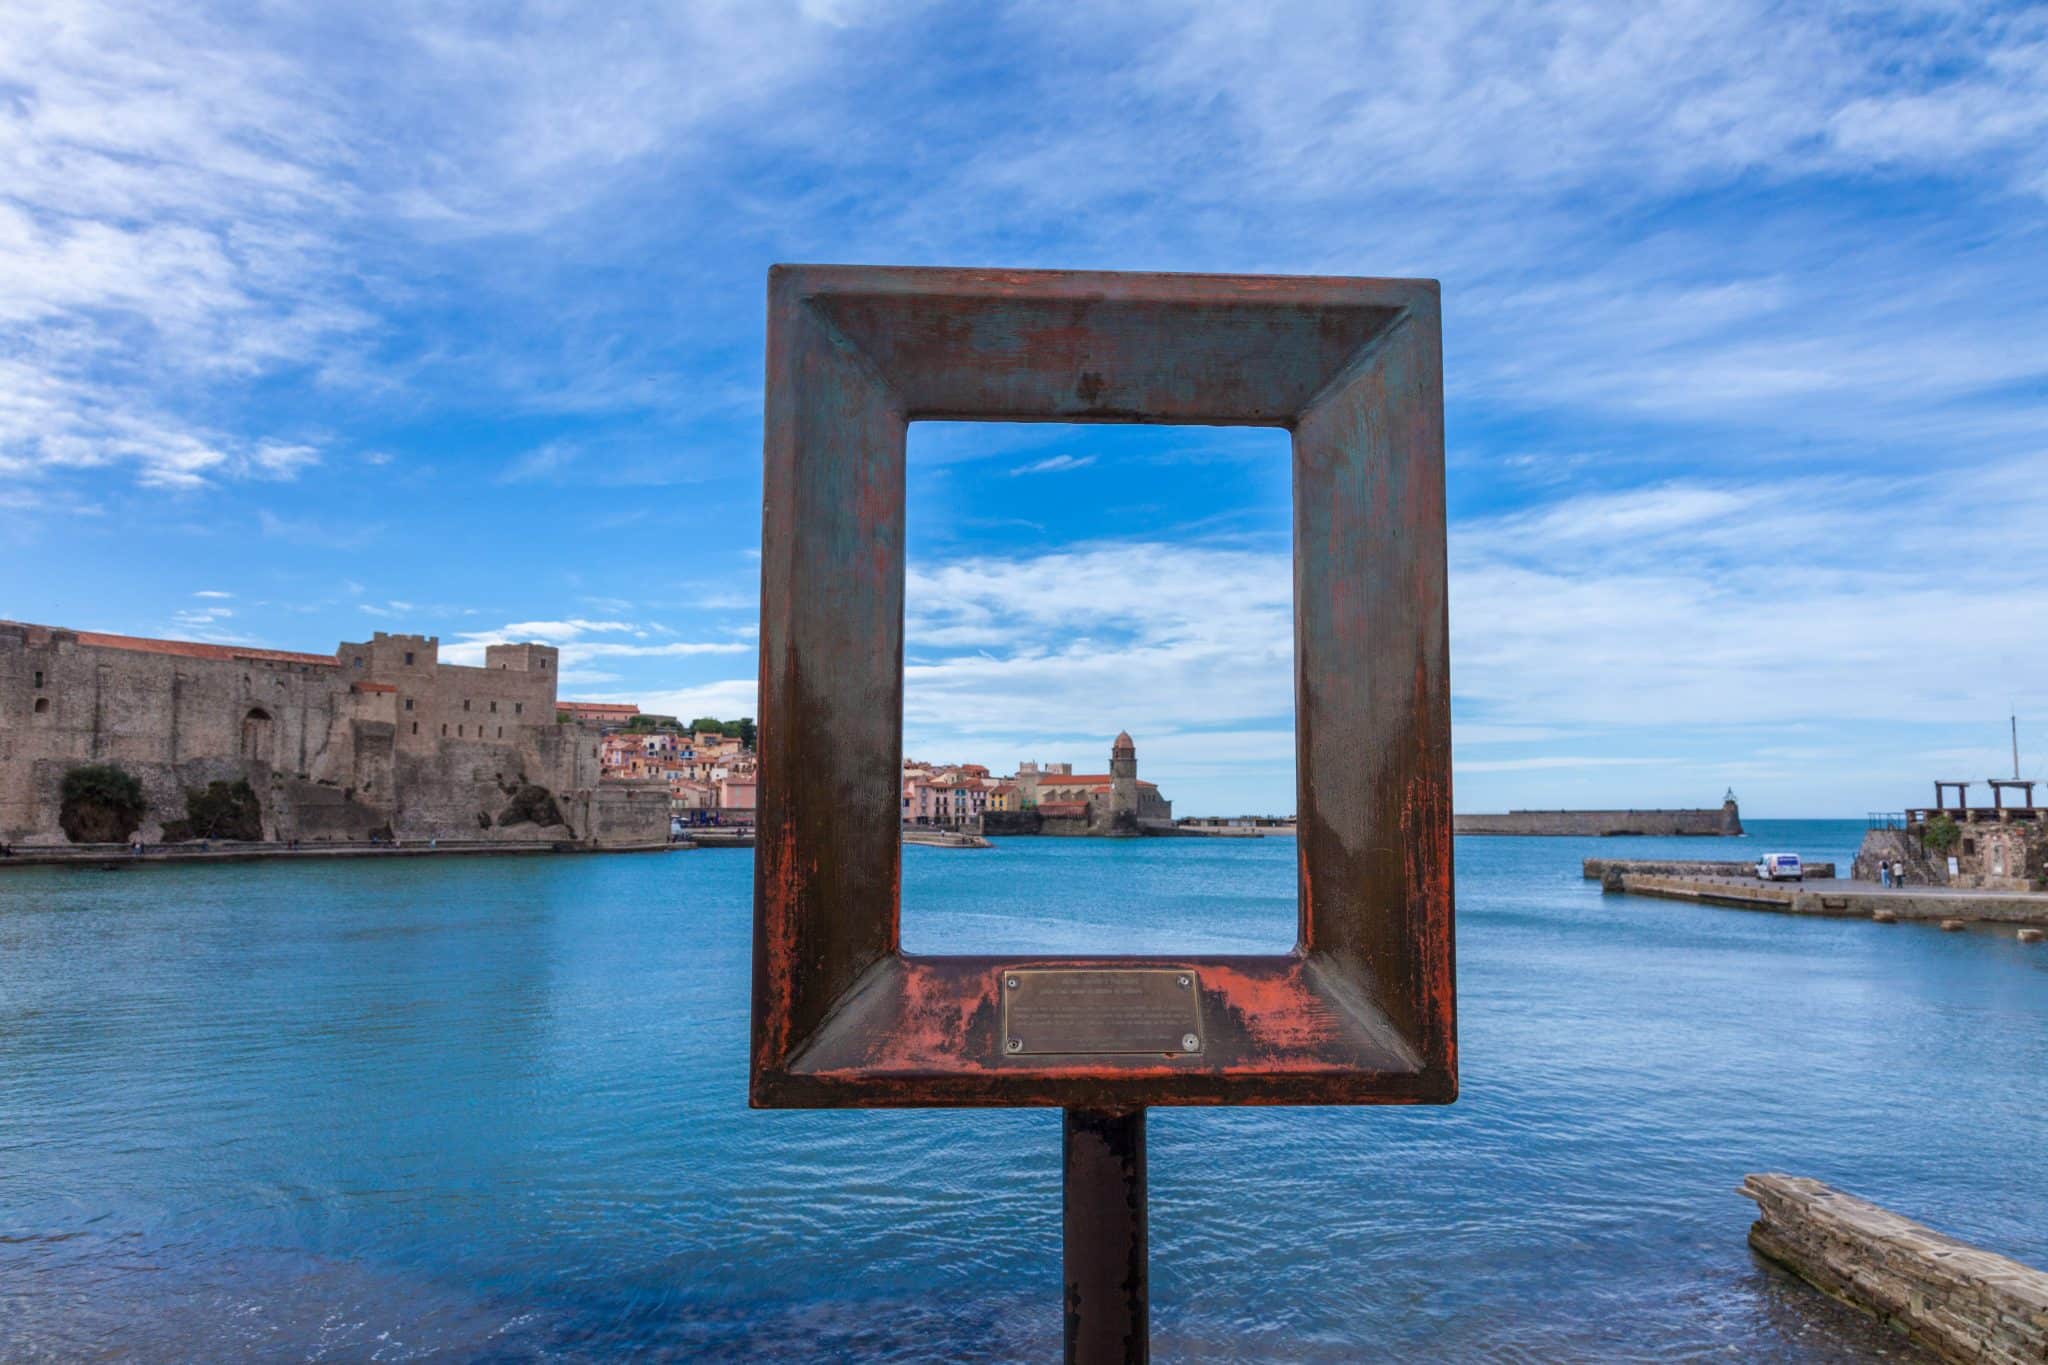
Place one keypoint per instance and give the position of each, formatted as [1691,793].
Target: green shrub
[1941,834]
[101,804]
[224,810]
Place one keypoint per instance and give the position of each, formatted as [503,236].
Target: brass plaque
[1096,1010]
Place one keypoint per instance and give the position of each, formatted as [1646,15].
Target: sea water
[495,1108]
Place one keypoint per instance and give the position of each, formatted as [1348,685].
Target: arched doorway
[256,734]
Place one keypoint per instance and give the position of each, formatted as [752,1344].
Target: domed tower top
[1123,745]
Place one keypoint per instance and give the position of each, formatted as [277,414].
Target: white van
[1779,867]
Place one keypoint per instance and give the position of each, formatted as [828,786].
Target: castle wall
[380,738]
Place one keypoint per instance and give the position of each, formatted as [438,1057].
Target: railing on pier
[1971,815]
[1885,819]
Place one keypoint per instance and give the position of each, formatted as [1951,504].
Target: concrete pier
[1960,1302]
[1841,899]
[1594,869]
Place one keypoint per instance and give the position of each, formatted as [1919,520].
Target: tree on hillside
[741,729]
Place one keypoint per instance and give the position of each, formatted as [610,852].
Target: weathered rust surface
[1363,1011]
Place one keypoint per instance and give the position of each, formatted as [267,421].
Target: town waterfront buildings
[377,740]
[709,774]
[1046,798]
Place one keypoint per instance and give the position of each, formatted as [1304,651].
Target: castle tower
[1123,782]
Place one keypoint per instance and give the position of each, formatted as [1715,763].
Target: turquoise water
[494,1109]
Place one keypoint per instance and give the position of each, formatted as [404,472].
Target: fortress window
[39,677]
[501,732]
[408,656]
[465,703]
[415,727]
[518,708]
[458,732]
[358,662]
[444,729]
[543,663]
[42,706]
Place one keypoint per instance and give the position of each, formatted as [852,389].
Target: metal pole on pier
[1108,1300]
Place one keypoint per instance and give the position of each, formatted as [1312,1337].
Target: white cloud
[212,592]
[1054,464]
[728,699]
[571,637]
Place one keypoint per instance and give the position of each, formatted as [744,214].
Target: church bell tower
[1123,782]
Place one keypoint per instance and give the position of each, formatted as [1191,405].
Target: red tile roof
[193,649]
[371,687]
[598,708]
[1082,780]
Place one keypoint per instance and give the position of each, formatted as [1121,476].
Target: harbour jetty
[943,838]
[1840,899]
[1724,821]
[921,835]
[1597,869]
[1959,1301]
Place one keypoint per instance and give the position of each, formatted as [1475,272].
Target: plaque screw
[1011,982]
[1015,1045]
[1188,1042]
[1185,983]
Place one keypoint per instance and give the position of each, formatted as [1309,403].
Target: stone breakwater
[1724,821]
[1960,1302]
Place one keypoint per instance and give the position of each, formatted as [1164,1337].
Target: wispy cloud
[1054,464]
[574,638]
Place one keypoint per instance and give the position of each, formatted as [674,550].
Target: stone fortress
[378,740]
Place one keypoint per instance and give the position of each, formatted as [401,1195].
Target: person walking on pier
[1884,874]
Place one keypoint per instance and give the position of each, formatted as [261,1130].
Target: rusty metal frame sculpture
[1362,1011]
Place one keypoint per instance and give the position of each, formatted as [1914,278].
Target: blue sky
[321,320]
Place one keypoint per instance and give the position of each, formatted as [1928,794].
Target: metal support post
[1108,1316]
